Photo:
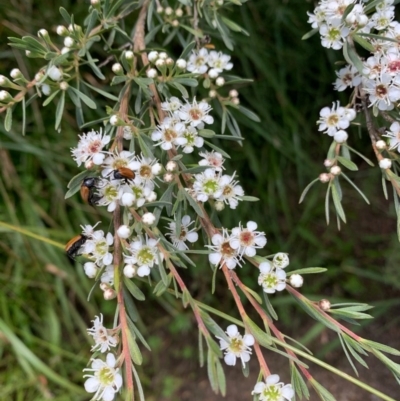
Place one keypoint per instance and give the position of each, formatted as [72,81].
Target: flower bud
[235,100]
[213,93]
[156,168]
[65,50]
[169,11]
[89,164]
[296,280]
[220,81]
[219,206]
[171,166]
[123,232]
[335,170]
[15,73]
[151,197]
[129,55]
[62,30]
[129,271]
[181,63]
[114,120]
[148,218]
[324,304]
[179,12]
[109,294]
[340,136]
[220,2]
[233,93]
[213,73]
[160,63]
[64,85]
[43,34]
[280,260]
[90,269]
[381,145]
[324,178]
[362,20]
[160,10]
[175,23]
[163,55]
[169,61]
[385,164]
[127,132]
[94,2]
[4,81]
[152,73]
[46,90]
[117,69]
[68,41]
[54,73]
[328,163]
[5,97]
[153,56]
[168,177]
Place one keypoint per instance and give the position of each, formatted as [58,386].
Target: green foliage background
[43,308]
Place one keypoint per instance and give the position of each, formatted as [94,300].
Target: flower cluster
[333,121]
[272,276]
[334,29]
[212,63]
[273,390]
[236,346]
[229,249]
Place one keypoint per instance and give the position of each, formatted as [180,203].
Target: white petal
[250,251]
[185,220]
[108,394]
[232,330]
[214,258]
[98,158]
[192,236]
[108,258]
[287,391]
[143,271]
[259,387]
[230,263]
[110,359]
[230,359]
[217,239]
[248,339]
[265,267]
[272,379]
[91,384]
[251,225]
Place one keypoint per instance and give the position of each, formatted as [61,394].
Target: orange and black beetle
[87,188]
[124,173]
[74,244]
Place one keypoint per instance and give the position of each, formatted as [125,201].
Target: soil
[180,379]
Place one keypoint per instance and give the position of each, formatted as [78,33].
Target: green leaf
[221,378]
[306,189]
[371,35]
[197,33]
[186,81]
[85,99]
[247,198]
[50,98]
[308,270]
[8,120]
[309,34]
[206,133]
[60,109]
[180,87]
[338,204]
[355,187]
[269,306]
[195,170]
[92,21]
[134,350]
[65,15]
[190,46]
[134,289]
[193,203]
[250,114]
[233,26]
[262,338]
[364,43]
[144,147]
[101,92]
[216,148]
[347,163]
[352,57]
[359,154]
[94,67]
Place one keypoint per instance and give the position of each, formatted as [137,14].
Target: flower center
[228,191]
[269,280]
[95,146]
[138,192]
[381,90]
[182,236]
[101,248]
[394,66]
[145,172]
[106,376]
[210,186]
[110,192]
[199,61]
[246,238]
[236,345]
[189,137]
[333,119]
[119,163]
[226,250]
[272,393]
[334,34]
[195,113]
[145,256]
[170,134]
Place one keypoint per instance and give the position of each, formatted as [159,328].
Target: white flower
[172,104]
[207,184]
[333,34]
[98,247]
[296,280]
[54,73]
[104,379]
[117,160]
[144,254]
[273,390]
[236,346]
[271,279]
[197,63]
[90,147]
[372,67]
[247,240]
[385,164]
[127,132]
[186,233]
[382,92]
[148,218]
[219,61]
[348,77]
[90,269]
[333,119]
[195,113]
[108,275]
[109,193]
[382,18]
[212,159]
[280,260]
[103,340]
[146,169]
[394,136]
[137,192]
[231,191]
[223,252]
[167,133]
[190,139]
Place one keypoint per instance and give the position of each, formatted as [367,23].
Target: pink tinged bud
[324,178]
[324,304]
[296,280]
[109,294]
[328,163]
[220,81]
[64,86]
[168,177]
[89,164]
[233,93]
[236,100]
[385,164]
[169,61]
[171,166]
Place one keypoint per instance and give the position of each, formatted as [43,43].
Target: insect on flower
[124,173]
[87,187]
[74,244]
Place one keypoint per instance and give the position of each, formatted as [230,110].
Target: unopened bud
[160,63]
[219,206]
[235,100]
[90,269]
[213,73]
[62,30]
[213,93]
[152,73]
[153,56]
[169,11]
[5,96]
[46,90]
[179,12]
[148,219]
[233,93]
[324,178]
[160,10]
[168,177]
[335,170]
[175,23]
[324,304]
[68,41]
[117,69]
[381,145]
[163,55]
[15,73]
[169,61]
[123,232]
[54,73]
[129,55]
[385,164]
[156,168]
[89,164]
[296,280]
[171,166]
[115,120]
[220,81]
[328,163]
[64,85]
[43,33]
[340,136]
[109,294]
[181,63]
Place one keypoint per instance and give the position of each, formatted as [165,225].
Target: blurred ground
[184,374]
